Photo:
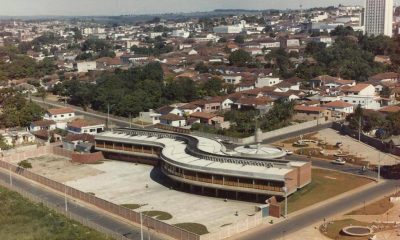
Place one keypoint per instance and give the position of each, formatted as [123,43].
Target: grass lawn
[334,229]
[193,227]
[21,219]
[132,206]
[159,215]
[376,208]
[325,184]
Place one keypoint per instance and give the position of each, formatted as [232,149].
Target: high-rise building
[379,17]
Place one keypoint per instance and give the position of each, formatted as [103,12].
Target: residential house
[60,115]
[189,109]
[45,124]
[262,104]
[211,105]
[79,126]
[173,120]
[173,109]
[306,113]
[232,79]
[150,117]
[266,82]
[340,106]
[26,88]
[389,110]
[15,138]
[86,66]
[74,142]
[362,94]
[210,119]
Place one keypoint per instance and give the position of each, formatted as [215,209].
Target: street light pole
[11,183]
[286,203]
[65,198]
[379,166]
[141,226]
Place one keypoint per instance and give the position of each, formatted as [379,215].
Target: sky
[119,7]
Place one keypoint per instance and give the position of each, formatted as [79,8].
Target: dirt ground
[389,216]
[61,169]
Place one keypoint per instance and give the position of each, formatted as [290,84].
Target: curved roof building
[203,162]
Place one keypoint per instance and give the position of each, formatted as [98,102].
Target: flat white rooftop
[175,153]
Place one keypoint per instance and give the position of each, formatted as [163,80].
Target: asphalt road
[120,122]
[98,217]
[297,222]
[297,133]
[347,168]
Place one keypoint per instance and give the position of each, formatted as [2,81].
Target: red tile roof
[79,123]
[43,123]
[171,117]
[390,109]
[338,104]
[359,87]
[80,137]
[202,115]
[308,108]
[57,111]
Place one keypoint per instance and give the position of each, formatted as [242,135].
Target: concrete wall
[373,142]
[291,131]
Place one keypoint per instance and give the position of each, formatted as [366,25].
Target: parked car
[339,161]
[288,152]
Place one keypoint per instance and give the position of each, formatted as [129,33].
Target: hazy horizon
[136,7]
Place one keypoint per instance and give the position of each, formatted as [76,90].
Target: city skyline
[120,7]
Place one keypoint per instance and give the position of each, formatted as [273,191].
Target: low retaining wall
[373,142]
[235,228]
[87,158]
[128,214]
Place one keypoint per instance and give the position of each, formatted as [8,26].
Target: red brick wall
[291,181]
[304,174]
[87,157]
[275,210]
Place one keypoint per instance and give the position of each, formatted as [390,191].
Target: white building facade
[379,17]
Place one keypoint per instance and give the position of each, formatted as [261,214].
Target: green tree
[25,164]
[240,58]
[239,39]
[213,87]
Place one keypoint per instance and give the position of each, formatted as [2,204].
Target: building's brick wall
[304,174]
[291,181]
[87,157]
[275,210]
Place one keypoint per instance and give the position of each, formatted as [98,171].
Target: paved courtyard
[129,183]
[356,148]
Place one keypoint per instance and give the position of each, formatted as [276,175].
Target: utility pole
[379,165]
[130,120]
[108,116]
[359,129]
[65,198]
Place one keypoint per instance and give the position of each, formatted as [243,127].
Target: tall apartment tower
[379,17]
